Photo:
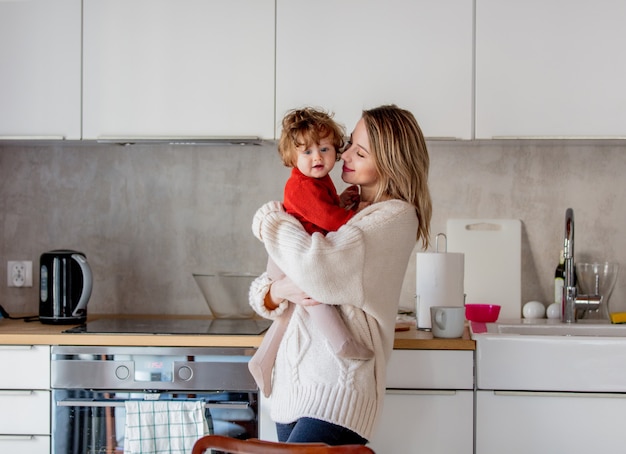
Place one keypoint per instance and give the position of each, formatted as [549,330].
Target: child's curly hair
[307,126]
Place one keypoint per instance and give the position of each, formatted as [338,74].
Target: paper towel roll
[439,282]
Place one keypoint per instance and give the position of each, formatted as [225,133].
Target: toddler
[309,143]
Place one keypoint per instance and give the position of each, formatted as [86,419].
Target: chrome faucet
[571,302]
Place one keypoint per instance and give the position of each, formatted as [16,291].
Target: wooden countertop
[18,332]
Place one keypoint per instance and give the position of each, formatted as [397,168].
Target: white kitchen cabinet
[548,68]
[351,55]
[25,399]
[178,69]
[429,404]
[40,56]
[547,423]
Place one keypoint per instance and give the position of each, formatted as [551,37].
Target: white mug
[447,321]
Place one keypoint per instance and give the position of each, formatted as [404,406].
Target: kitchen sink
[548,355]
[556,328]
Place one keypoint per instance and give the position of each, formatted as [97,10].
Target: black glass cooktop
[180,326]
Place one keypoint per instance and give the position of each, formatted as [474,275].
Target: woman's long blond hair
[402,161]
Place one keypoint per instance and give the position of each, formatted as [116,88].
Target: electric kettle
[65,283]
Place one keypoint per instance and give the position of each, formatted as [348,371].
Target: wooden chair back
[255,446]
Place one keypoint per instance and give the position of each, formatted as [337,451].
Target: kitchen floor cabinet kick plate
[493,261]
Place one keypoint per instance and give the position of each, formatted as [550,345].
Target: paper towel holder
[439,281]
[437,242]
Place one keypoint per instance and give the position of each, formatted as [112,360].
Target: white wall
[148,216]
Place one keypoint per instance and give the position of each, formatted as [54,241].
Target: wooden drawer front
[431,369]
[25,444]
[24,412]
[25,367]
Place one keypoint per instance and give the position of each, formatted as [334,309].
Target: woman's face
[358,163]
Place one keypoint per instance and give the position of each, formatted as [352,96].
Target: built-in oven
[91,385]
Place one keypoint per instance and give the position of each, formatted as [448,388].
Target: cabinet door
[24,444]
[431,369]
[25,412]
[548,68]
[350,55]
[434,422]
[40,51]
[172,68]
[522,423]
[25,367]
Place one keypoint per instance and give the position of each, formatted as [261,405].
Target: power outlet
[20,274]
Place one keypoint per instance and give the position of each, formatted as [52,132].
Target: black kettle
[65,283]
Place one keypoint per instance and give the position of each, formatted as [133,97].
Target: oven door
[88,421]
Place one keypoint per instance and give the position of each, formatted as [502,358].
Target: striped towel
[163,427]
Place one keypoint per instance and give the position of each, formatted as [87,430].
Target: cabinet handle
[208,140]
[16,347]
[17,437]
[32,137]
[421,392]
[17,392]
[118,403]
[557,138]
[557,394]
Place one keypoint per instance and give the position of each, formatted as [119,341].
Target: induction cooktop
[179,326]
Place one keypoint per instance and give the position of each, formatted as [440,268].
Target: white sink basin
[582,328]
[547,355]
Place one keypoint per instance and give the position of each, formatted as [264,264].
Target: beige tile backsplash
[148,216]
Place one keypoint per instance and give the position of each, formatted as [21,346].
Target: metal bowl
[226,293]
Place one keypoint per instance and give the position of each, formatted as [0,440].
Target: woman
[316,395]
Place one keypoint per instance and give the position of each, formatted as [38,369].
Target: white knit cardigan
[359,268]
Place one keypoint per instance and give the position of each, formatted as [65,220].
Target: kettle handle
[87,284]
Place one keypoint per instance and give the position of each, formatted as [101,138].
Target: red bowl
[483,313]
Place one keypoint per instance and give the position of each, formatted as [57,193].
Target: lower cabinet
[428,421]
[516,422]
[24,444]
[25,399]
[429,403]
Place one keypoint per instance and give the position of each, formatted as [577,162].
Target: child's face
[316,160]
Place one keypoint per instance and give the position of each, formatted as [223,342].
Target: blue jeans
[309,430]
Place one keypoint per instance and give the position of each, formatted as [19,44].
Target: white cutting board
[493,261]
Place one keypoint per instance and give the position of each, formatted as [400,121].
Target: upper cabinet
[40,56]
[357,54]
[189,69]
[177,69]
[550,68]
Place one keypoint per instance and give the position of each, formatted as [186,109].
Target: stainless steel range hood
[206,140]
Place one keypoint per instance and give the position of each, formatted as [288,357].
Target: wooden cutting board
[493,261]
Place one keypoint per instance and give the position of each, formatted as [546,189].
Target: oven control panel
[153,368]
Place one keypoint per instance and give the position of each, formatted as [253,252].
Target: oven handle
[118,403]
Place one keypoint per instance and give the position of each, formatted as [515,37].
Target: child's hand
[349,198]
[284,288]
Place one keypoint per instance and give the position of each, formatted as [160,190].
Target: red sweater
[315,203]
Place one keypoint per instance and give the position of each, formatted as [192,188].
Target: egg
[534,309]
[554,310]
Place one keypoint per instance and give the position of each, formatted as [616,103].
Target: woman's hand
[285,289]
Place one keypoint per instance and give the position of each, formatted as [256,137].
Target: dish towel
[163,427]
